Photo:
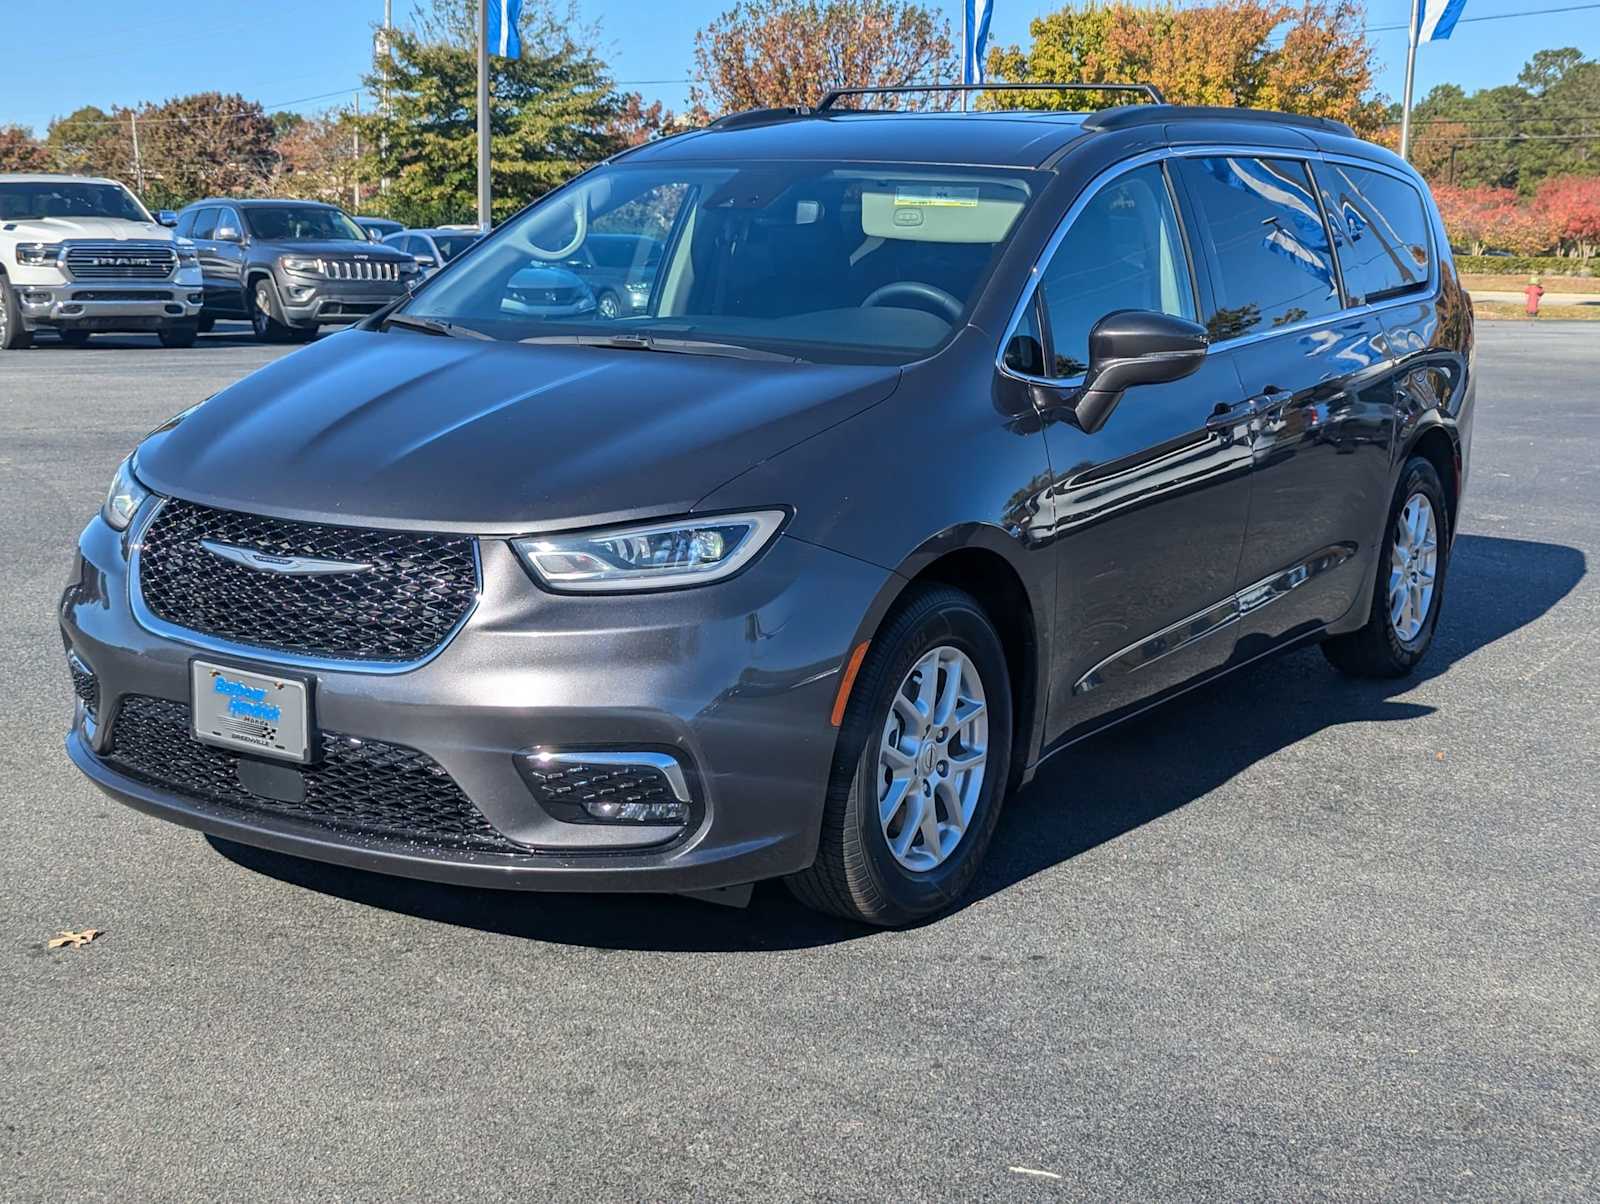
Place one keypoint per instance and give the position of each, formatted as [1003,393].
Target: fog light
[299,292]
[196,298]
[36,298]
[608,787]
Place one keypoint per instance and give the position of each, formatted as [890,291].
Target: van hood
[111,229]
[402,429]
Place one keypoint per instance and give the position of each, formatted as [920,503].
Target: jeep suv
[942,442]
[79,254]
[290,266]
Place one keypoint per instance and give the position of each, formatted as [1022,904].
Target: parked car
[379,228]
[945,442]
[290,266]
[620,268]
[433,248]
[79,254]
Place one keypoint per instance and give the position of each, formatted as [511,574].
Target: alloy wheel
[931,758]
[1412,567]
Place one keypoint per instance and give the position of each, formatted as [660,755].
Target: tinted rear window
[1381,229]
[1269,247]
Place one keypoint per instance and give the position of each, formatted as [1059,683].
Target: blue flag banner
[975,31]
[1436,18]
[504,39]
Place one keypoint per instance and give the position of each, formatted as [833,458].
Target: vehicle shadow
[224,334]
[1086,796]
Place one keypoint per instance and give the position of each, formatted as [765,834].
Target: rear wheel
[264,309]
[921,767]
[178,334]
[1409,585]
[13,337]
[74,338]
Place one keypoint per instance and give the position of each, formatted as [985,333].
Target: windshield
[451,245]
[21,202]
[814,260]
[302,223]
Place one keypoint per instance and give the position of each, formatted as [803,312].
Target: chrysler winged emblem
[293,566]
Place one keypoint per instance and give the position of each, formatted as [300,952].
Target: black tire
[178,334]
[74,338]
[856,875]
[609,306]
[303,334]
[264,311]
[13,336]
[1377,649]
[206,324]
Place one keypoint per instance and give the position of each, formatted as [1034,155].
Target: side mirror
[375,236]
[167,217]
[426,261]
[1127,348]
[227,234]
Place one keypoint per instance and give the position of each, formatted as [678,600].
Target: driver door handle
[1226,417]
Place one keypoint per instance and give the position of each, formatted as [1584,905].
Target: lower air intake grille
[365,786]
[399,598]
[84,684]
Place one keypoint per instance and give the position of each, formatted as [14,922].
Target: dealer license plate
[250,712]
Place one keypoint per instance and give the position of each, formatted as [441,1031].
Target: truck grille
[365,786]
[361,269]
[411,596]
[120,260]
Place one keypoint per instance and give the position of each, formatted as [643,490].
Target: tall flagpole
[966,54]
[483,114]
[1411,72]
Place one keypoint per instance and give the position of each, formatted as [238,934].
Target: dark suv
[942,441]
[290,266]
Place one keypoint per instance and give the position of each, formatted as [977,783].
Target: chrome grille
[361,269]
[408,597]
[120,260]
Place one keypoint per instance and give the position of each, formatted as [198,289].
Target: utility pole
[356,175]
[483,116]
[388,53]
[138,163]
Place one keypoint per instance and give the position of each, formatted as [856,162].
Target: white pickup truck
[79,255]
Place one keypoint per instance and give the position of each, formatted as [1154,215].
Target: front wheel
[13,335]
[921,767]
[609,305]
[264,309]
[1410,582]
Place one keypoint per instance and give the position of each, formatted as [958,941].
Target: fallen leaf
[75,940]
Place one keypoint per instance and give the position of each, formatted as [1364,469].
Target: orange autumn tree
[768,53]
[1312,57]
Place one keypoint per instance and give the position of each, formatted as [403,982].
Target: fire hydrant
[1533,292]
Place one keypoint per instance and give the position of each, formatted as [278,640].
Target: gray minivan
[941,442]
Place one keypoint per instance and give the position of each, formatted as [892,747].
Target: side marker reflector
[851,668]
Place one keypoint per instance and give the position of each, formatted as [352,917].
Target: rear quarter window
[1380,229]
[1271,263]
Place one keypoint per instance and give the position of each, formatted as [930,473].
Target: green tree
[90,141]
[551,116]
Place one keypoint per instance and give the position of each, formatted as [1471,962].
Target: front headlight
[124,497]
[301,265]
[37,254]
[658,556]
[187,258]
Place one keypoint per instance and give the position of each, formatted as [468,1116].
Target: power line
[1537,12]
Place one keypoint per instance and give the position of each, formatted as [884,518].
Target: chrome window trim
[266,655]
[1201,151]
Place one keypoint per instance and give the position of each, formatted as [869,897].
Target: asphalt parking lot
[1292,937]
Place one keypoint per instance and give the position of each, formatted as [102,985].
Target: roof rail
[832,96]
[1125,116]
[734,121]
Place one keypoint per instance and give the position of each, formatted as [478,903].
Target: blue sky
[312,52]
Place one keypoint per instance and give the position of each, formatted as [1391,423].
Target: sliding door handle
[1226,417]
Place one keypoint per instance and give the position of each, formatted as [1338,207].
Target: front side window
[1269,247]
[1123,251]
[205,223]
[303,223]
[27,201]
[451,245]
[815,260]
[1382,231]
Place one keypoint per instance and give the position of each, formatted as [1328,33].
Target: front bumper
[307,301]
[736,679]
[107,305]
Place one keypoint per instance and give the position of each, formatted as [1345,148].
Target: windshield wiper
[641,342]
[433,326]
